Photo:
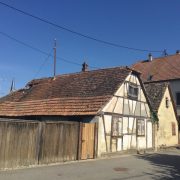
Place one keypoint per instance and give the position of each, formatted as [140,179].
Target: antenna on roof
[12,88]
[54,57]
[165,52]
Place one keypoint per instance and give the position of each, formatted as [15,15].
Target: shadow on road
[165,166]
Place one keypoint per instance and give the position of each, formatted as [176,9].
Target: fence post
[39,141]
[96,141]
[79,142]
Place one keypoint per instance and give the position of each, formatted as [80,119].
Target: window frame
[167,102]
[137,127]
[132,95]
[119,129]
[173,126]
[178,92]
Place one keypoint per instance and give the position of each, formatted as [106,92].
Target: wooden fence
[59,142]
[24,143]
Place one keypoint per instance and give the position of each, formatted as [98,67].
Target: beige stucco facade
[175,88]
[127,113]
[164,130]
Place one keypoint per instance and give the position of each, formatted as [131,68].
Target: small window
[167,102]
[117,126]
[150,77]
[140,127]
[178,98]
[132,91]
[173,129]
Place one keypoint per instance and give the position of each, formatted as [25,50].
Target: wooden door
[87,146]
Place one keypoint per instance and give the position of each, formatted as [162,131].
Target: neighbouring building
[163,107]
[163,69]
[113,98]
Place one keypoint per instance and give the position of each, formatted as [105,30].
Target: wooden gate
[88,141]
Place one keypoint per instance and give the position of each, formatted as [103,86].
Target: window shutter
[173,129]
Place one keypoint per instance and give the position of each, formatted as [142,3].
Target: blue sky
[140,24]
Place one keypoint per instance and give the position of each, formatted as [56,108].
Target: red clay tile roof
[83,93]
[55,106]
[160,69]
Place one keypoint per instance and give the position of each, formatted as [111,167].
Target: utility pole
[54,57]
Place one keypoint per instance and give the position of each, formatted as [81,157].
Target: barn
[110,104]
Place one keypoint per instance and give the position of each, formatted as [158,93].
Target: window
[167,102]
[140,127]
[150,77]
[132,91]
[117,126]
[173,129]
[178,98]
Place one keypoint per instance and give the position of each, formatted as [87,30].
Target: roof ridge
[80,72]
[157,82]
[154,58]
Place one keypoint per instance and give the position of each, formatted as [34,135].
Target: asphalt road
[163,165]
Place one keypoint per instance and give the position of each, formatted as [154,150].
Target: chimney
[150,57]
[178,52]
[84,67]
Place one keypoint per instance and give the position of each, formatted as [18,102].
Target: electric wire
[43,52]
[43,64]
[75,32]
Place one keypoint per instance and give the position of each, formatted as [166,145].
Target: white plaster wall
[126,142]
[129,142]
[132,125]
[120,91]
[110,105]
[108,120]
[149,135]
[119,106]
[101,134]
[101,137]
[142,96]
[119,144]
[125,125]
[143,110]
[147,110]
[141,140]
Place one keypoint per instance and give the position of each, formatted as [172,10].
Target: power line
[41,51]
[75,32]
[23,43]
[42,65]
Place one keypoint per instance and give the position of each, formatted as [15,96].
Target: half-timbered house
[113,98]
[125,122]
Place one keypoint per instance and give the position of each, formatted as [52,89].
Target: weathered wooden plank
[24,143]
[79,142]
[15,147]
[59,142]
[88,140]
